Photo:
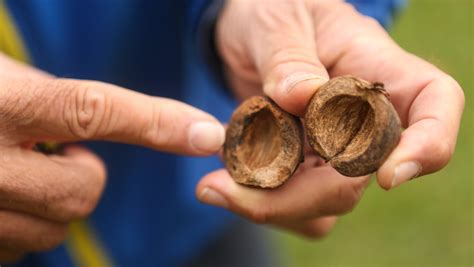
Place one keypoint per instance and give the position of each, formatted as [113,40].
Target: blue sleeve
[203,16]
[195,9]
[381,10]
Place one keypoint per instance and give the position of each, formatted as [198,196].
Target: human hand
[290,48]
[40,194]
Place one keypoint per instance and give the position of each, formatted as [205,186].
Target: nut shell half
[352,124]
[264,144]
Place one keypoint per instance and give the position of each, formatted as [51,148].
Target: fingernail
[211,197]
[207,136]
[289,83]
[405,172]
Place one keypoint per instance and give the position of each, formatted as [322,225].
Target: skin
[41,194]
[265,44]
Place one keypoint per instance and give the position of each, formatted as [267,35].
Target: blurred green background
[429,221]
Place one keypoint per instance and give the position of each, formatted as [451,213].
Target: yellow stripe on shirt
[10,41]
[82,244]
[85,249]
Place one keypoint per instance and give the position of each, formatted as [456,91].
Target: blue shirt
[148,215]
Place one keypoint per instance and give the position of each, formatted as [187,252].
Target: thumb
[70,110]
[284,50]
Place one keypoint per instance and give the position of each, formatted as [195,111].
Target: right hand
[290,48]
[40,194]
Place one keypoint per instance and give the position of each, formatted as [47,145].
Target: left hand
[40,195]
[290,48]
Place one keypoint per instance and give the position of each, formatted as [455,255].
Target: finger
[313,228]
[60,109]
[428,143]
[10,67]
[60,188]
[10,256]
[310,193]
[429,102]
[368,52]
[23,232]
[283,50]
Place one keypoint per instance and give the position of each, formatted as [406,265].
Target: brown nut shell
[352,124]
[264,144]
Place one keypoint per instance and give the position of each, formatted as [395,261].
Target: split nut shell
[352,124]
[264,144]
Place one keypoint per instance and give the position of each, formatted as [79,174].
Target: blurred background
[429,221]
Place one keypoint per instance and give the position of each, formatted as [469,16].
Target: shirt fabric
[148,214]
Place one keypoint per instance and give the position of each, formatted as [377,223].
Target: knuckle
[260,216]
[85,206]
[366,22]
[160,130]
[458,91]
[17,101]
[443,152]
[345,6]
[362,38]
[77,208]
[85,110]
[346,199]
[51,239]
[370,22]
[317,232]
[326,6]
[361,41]
[81,200]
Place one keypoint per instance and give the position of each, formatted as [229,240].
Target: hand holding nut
[291,48]
[349,123]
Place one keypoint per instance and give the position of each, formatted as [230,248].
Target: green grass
[429,221]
